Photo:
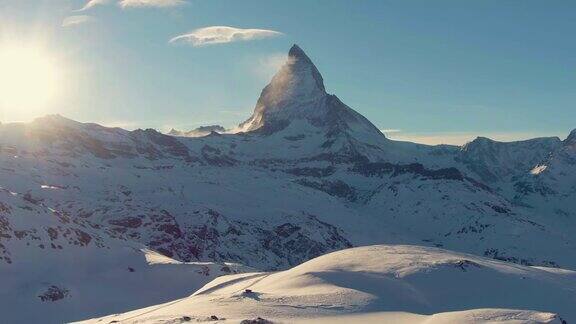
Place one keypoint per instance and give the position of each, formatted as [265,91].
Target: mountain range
[84,208]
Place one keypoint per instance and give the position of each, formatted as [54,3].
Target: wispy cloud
[388,131]
[151,3]
[134,3]
[93,3]
[222,34]
[71,21]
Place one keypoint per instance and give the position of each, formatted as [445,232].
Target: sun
[28,78]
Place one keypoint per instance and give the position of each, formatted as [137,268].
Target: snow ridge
[380,280]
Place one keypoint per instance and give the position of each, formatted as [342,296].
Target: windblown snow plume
[76,20]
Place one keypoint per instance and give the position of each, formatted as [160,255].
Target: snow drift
[381,280]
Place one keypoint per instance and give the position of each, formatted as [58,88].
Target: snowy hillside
[63,268]
[380,280]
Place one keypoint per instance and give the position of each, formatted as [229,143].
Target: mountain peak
[571,139]
[296,51]
[295,91]
[299,64]
[298,78]
[296,55]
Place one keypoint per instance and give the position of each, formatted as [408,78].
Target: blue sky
[430,71]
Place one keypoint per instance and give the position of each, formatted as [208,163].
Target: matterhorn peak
[296,92]
[299,64]
[296,51]
[297,81]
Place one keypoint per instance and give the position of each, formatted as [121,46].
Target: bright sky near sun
[430,71]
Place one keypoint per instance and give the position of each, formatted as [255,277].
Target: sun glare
[28,78]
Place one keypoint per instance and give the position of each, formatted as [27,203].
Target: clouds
[93,3]
[151,3]
[134,3]
[198,37]
[222,34]
[72,21]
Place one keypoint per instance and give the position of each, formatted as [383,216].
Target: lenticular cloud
[150,3]
[134,3]
[222,34]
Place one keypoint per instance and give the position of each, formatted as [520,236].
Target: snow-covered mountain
[496,161]
[296,101]
[375,283]
[303,176]
[199,131]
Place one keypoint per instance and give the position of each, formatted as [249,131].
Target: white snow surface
[382,283]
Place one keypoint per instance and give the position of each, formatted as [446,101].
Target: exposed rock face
[571,139]
[54,293]
[297,92]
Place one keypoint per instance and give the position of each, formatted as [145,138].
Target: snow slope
[380,281]
[79,282]
[55,268]
[67,285]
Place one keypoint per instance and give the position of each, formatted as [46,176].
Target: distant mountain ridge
[199,131]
